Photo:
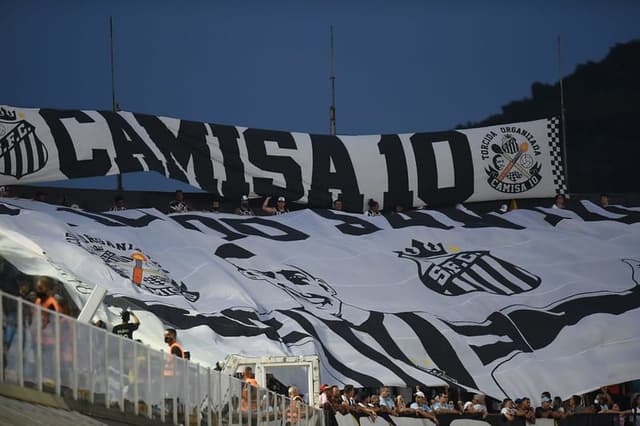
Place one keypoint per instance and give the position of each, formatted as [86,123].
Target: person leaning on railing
[46,299]
[170,338]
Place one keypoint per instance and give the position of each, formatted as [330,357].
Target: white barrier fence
[55,353]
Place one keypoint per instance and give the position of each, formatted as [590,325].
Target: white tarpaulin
[511,304]
[517,160]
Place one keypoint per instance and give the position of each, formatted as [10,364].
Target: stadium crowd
[430,403]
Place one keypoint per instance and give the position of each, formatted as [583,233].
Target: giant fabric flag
[510,304]
[519,160]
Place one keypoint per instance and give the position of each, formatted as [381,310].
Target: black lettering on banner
[127,143]
[286,232]
[325,150]
[351,225]
[256,140]
[233,251]
[6,210]
[397,175]
[185,220]
[189,146]
[99,165]
[235,186]
[427,167]
[483,220]
[109,219]
[414,219]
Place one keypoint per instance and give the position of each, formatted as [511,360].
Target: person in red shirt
[47,300]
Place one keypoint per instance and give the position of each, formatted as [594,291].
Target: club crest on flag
[131,263]
[510,159]
[21,152]
[454,272]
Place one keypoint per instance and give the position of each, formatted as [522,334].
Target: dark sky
[401,66]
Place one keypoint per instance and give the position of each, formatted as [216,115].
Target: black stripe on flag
[18,157]
[28,150]
[4,148]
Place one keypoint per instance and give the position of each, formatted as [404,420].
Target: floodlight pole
[562,118]
[332,109]
[114,102]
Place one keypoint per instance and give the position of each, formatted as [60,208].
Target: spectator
[558,407]
[545,411]
[374,208]
[421,407]
[324,395]
[475,406]
[576,406]
[401,407]
[634,413]
[249,377]
[4,191]
[244,209]
[604,201]
[100,324]
[178,205]
[125,328]
[249,389]
[363,406]
[348,395]
[280,208]
[523,409]
[507,410]
[46,299]
[600,403]
[293,414]
[560,202]
[385,398]
[295,395]
[215,206]
[337,204]
[171,339]
[118,203]
[442,405]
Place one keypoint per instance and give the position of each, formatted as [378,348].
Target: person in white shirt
[507,409]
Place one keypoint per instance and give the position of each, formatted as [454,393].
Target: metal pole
[2,326]
[91,369]
[121,374]
[136,379]
[162,395]
[114,102]
[148,381]
[198,398]
[174,360]
[106,368]
[21,343]
[57,358]
[332,109]
[39,347]
[74,366]
[210,398]
[562,118]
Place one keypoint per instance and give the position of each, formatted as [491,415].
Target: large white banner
[511,304]
[519,160]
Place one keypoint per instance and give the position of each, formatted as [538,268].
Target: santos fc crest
[510,154]
[21,152]
[453,272]
[131,263]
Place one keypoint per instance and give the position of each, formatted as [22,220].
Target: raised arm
[266,207]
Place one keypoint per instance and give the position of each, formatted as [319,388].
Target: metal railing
[55,353]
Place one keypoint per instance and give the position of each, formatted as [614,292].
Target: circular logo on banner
[131,263]
[510,155]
